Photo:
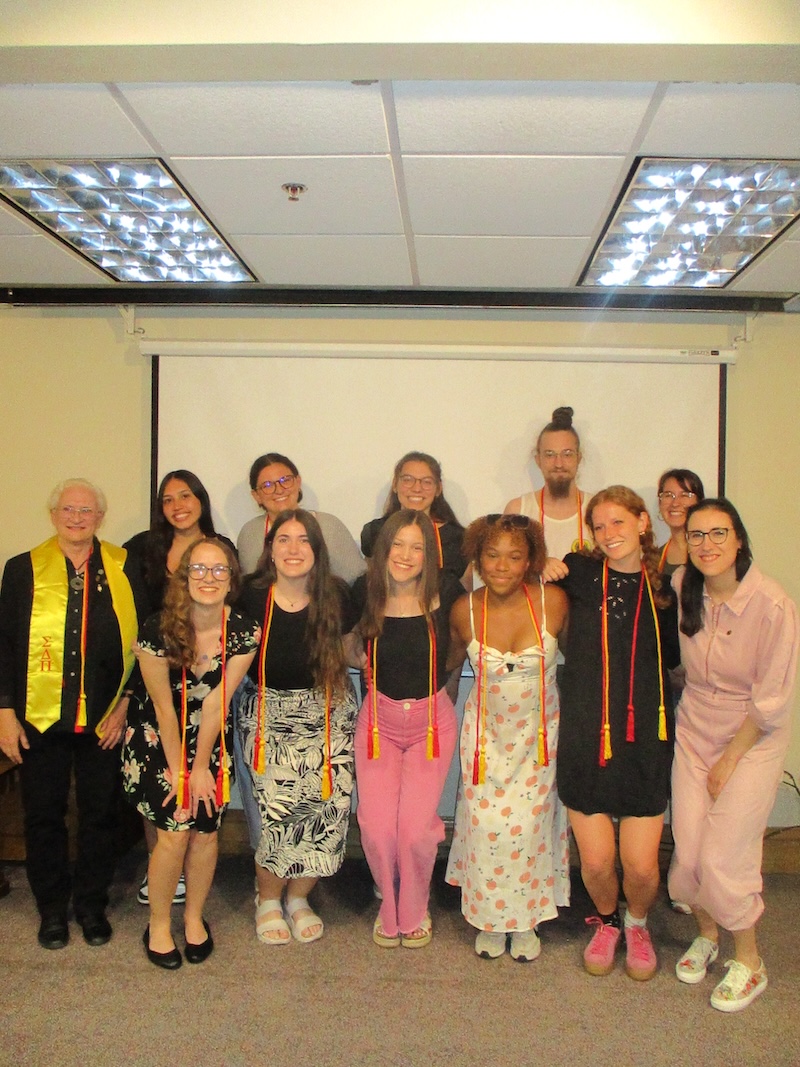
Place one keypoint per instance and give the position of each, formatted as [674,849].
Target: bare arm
[513,506]
[459,634]
[12,735]
[155,673]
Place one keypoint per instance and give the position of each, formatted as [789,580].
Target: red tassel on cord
[629,732]
[476,767]
[219,788]
[543,756]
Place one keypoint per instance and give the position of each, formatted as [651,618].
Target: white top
[560,535]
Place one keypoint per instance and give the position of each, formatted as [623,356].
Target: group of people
[241,665]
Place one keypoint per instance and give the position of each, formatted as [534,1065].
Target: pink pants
[398,795]
[718,844]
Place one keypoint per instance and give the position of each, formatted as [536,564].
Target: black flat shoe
[96,929]
[198,953]
[53,931]
[170,961]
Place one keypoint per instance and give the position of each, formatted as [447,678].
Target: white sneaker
[143,896]
[489,945]
[525,946]
[739,987]
[692,966]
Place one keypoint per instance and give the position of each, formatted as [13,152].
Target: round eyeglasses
[666,497]
[220,572]
[408,481]
[717,536]
[285,482]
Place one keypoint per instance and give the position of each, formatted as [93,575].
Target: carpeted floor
[343,1002]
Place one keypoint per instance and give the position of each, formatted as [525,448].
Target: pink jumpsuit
[742,662]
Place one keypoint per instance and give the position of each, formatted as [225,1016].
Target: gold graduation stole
[46,635]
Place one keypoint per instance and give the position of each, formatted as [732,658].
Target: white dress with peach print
[510,851]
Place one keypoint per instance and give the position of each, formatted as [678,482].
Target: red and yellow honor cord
[605,723]
[223,782]
[542,754]
[259,744]
[373,734]
[663,558]
[436,527]
[581,541]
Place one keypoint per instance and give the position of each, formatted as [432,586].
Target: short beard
[559,489]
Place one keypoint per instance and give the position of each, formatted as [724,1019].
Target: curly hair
[325,594]
[378,581]
[440,509]
[626,498]
[162,533]
[561,420]
[486,531]
[693,579]
[176,623]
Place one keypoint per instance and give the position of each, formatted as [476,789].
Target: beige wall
[75,400]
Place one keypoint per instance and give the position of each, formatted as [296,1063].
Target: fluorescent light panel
[128,217]
[684,223]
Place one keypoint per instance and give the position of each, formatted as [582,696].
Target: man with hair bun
[558,505]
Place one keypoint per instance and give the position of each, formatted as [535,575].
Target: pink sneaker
[640,957]
[598,956]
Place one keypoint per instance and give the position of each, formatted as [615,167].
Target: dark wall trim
[264,296]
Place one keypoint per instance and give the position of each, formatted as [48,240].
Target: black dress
[143,761]
[635,780]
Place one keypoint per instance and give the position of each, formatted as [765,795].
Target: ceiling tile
[67,121]
[265,119]
[777,270]
[344,194]
[501,118]
[327,260]
[522,196]
[39,261]
[500,262]
[13,223]
[740,121]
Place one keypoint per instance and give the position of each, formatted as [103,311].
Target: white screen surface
[345,423]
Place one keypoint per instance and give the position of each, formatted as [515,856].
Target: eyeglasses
[286,482]
[78,513]
[408,481]
[220,572]
[668,497]
[550,454]
[717,536]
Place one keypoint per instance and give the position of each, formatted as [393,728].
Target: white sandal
[265,927]
[299,926]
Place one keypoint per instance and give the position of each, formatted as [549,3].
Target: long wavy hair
[176,623]
[378,580]
[440,509]
[161,533]
[325,594]
[487,530]
[626,498]
[693,579]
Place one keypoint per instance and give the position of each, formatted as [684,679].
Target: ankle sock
[631,921]
[611,920]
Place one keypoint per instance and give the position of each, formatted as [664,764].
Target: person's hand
[12,735]
[554,569]
[110,732]
[719,774]
[203,789]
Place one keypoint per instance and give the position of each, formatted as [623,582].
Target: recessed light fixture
[694,223]
[129,217]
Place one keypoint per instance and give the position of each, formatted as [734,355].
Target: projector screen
[345,423]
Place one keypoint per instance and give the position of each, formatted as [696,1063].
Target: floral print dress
[510,851]
[144,764]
